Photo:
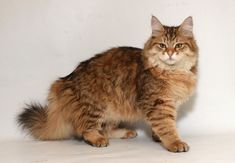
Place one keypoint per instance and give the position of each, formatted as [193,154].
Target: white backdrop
[42,40]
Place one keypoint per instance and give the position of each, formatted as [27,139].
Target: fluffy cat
[123,84]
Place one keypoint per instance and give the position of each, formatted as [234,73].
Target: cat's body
[123,84]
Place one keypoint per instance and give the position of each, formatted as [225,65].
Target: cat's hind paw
[100,142]
[129,134]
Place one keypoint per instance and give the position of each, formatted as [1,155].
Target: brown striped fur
[123,84]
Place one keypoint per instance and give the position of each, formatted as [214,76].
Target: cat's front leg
[163,122]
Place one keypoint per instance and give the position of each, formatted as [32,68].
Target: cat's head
[171,47]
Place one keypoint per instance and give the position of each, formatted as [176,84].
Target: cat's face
[171,47]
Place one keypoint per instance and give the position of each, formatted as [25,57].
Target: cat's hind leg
[95,138]
[87,122]
[113,131]
[122,133]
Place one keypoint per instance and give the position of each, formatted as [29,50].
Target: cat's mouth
[169,61]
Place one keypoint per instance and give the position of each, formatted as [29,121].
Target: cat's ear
[157,28]
[186,28]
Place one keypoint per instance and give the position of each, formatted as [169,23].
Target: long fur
[123,84]
[33,118]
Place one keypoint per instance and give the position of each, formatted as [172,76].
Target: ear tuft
[186,28]
[157,28]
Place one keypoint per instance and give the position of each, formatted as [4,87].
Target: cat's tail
[34,119]
[44,126]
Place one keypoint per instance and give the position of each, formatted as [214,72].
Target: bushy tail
[33,119]
[42,125]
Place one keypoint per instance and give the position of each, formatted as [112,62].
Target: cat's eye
[179,45]
[161,45]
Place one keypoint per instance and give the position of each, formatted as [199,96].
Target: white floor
[204,149]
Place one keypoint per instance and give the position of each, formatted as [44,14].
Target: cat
[123,84]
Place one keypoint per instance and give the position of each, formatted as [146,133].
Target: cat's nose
[170,52]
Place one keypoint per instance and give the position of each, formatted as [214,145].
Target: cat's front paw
[178,146]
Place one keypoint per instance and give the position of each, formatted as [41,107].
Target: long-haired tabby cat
[123,84]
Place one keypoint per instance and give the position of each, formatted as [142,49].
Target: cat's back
[115,61]
[124,56]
